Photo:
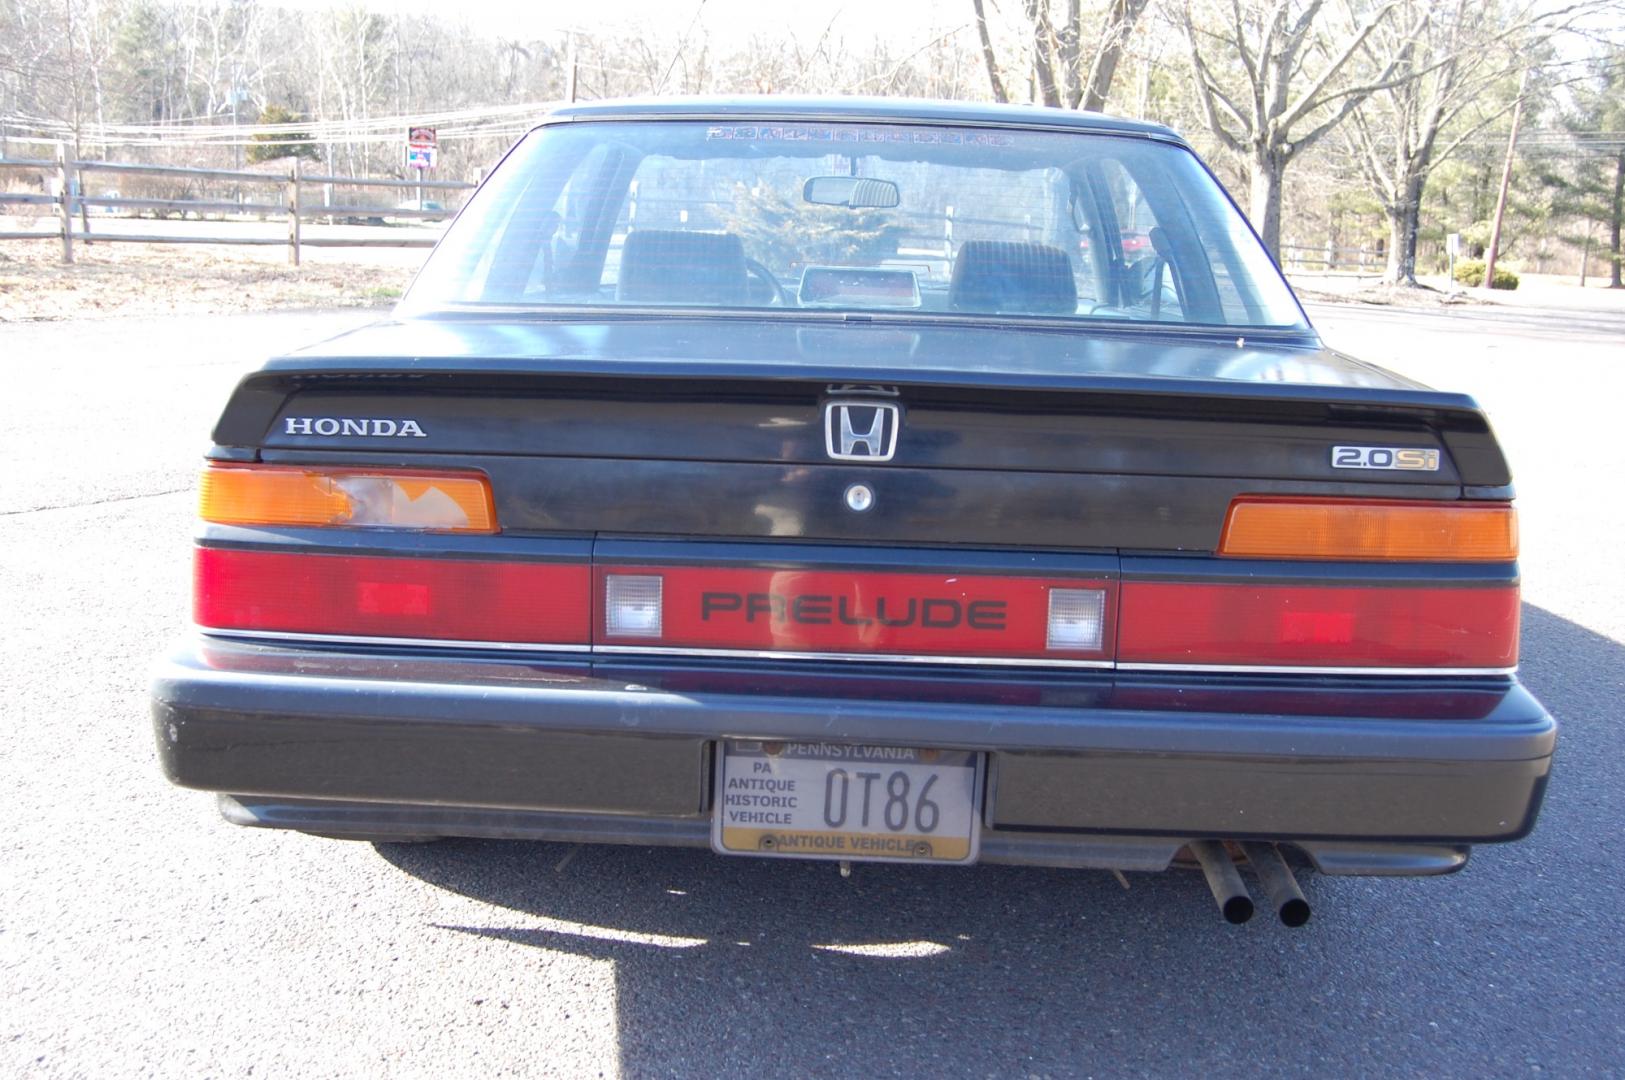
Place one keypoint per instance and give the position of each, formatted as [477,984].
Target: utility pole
[1506,181]
[574,72]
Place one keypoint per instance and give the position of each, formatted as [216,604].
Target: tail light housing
[1199,624]
[1461,620]
[533,604]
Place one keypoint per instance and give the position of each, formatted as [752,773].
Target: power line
[454,124]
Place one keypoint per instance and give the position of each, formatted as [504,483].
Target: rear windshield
[879,218]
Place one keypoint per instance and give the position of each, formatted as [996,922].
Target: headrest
[670,267]
[998,276]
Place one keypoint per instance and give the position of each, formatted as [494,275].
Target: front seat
[660,266]
[993,276]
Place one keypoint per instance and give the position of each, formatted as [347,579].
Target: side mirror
[852,192]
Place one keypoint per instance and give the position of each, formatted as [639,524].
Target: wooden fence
[294,205]
[1332,259]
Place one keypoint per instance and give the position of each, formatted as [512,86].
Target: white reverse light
[1077,620]
[632,605]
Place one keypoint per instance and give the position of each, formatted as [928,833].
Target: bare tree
[1299,76]
[1464,53]
[989,59]
[1062,75]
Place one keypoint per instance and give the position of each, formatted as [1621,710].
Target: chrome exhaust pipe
[1279,884]
[1224,881]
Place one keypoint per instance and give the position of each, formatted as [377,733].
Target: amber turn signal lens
[1370,529]
[355,498]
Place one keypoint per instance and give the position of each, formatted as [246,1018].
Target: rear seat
[994,276]
[670,267]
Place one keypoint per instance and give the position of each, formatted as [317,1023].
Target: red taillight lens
[436,598]
[912,615]
[1247,625]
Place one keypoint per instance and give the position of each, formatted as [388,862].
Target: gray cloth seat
[993,276]
[660,266]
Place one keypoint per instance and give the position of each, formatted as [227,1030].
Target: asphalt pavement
[140,935]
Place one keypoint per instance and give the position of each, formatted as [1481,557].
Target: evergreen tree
[269,147]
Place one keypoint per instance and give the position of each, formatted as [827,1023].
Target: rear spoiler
[1457,418]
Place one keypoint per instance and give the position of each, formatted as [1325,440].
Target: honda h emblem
[861,430]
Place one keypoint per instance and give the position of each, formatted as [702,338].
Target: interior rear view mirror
[853,192]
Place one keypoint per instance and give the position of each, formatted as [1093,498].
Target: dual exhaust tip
[1273,873]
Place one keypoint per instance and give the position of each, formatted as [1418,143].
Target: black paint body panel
[973,507]
[1407,761]
[680,438]
[1000,398]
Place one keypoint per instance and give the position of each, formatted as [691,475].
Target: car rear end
[945,588]
[1291,654]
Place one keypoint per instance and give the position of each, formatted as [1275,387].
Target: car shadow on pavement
[780,966]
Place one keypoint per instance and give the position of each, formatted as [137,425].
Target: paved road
[140,936]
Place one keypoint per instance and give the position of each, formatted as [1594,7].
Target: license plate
[837,801]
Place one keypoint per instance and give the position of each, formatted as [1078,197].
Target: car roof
[878,109]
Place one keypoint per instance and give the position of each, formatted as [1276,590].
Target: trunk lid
[720,427]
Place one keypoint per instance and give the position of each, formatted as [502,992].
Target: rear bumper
[1097,769]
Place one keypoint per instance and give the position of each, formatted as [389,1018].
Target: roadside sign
[1452,245]
[422,147]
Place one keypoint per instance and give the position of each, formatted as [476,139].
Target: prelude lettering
[848,619]
[985,615]
[718,601]
[816,609]
[947,614]
[810,609]
[880,613]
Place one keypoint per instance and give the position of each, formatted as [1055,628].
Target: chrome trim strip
[350,639]
[884,658]
[1282,669]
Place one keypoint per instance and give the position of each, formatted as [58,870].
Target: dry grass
[155,279]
